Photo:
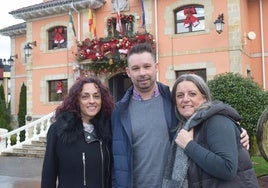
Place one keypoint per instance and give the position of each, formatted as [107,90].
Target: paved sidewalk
[20,172]
[25,172]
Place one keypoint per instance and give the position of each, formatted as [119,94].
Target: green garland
[108,55]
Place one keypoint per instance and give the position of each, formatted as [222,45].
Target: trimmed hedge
[242,93]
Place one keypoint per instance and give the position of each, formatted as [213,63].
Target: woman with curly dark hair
[79,140]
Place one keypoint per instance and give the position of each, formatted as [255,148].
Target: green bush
[22,109]
[2,94]
[245,95]
[22,106]
[13,139]
[4,124]
[5,116]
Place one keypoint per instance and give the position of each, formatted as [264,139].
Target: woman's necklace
[88,127]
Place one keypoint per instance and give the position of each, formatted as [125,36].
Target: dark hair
[71,104]
[140,48]
[196,80]
[71,101]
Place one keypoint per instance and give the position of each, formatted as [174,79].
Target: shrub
[245,95]
[22,109]
[2,94]
[5,116]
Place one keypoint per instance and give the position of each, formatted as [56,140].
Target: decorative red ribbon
[58,37]
[59,87]
[190,18]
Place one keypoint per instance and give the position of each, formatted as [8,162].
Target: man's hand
[244,139]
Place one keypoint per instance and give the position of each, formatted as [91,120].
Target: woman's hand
[184,137]
[244,139]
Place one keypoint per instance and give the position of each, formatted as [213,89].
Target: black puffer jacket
[75,161]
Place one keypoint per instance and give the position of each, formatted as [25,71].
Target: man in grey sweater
[142,124]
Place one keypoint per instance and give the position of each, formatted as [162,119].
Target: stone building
[63,40]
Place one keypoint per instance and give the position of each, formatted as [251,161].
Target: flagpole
[156,33]
[78,21]
[143,16]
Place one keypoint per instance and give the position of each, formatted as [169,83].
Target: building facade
[68,40]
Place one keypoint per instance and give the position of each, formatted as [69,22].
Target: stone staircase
[36,148]
[34,144]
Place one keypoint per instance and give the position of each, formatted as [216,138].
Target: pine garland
[109,54]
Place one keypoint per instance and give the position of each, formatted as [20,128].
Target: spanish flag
[91,23]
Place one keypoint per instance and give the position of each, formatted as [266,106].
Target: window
[113,25]
[199,72]
[57,90]
[248,73]
[189,18]
[57,37]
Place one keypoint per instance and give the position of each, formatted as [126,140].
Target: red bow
[59,87]
[58,37]
[190,19]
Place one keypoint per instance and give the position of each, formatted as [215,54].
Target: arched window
[57,37]
[189,18]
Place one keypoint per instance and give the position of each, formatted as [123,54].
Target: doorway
[118,85]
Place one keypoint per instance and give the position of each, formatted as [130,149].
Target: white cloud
[8,20]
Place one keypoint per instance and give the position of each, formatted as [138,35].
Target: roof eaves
[52,7]
[17,29]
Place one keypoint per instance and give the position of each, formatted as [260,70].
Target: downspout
[262,48]
[156,34]
[78,21]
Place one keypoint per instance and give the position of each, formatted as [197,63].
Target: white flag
[71,22]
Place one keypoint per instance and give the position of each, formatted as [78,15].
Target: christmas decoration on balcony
[125,20]
[108,55]
[190,19]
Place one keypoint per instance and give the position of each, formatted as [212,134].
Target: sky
[8,20]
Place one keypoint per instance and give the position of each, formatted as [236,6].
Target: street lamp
[6,66]
[28,49]
[219,23]
[10,61]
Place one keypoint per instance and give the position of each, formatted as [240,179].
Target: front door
[118,85]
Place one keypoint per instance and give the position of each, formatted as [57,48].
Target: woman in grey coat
[206,151]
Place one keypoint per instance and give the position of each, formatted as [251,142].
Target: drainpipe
[78,21]
[262,48]
[156,33]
